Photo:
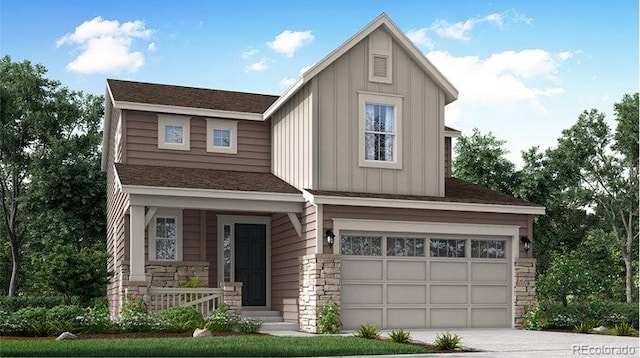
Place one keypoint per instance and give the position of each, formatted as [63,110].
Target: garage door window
[401,246]
[488,249]
[361,245]
[447,248]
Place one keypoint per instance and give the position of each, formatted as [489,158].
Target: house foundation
[319,284]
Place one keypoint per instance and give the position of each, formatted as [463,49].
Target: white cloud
[566,55]
[152,47]
[288,42]
[249,53]
[505,80]
[289,81]
[460,30]
[105,46]
[420,38]
[259,66]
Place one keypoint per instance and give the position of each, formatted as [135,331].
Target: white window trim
[378,52]
[231,126]
[232,220]
[365,98]
[168,120]
[165,213]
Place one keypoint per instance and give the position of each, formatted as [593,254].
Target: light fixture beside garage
[526,242]
[330,238]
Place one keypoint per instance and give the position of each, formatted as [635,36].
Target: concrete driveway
[519,343]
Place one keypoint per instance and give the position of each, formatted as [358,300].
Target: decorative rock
[600,329]
[65,336]
[202,332]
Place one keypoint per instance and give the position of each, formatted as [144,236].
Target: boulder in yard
[600,329]
[202,332]
[65,336]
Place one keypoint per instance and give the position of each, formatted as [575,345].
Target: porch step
[262,315]
[279,326]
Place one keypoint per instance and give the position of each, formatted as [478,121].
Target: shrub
[64,318]
[555,315]
[447,341]
[33,321]
[96,320]
[248,325]
[13,304]
[181,319]
[140,322]
[400,336]
[586,326]
[533,319]
[329,320]
[368,331]
[133,305]
[192,282]
[624,329]
[220,320]
[11,326]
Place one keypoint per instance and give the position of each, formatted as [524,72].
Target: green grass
[228,346]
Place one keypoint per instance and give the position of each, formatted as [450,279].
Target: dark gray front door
[251,266]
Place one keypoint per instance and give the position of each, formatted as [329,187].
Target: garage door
[401,281]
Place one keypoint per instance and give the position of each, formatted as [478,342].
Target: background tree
[51,186]
[481,159]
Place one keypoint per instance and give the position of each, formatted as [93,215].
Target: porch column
[136,243]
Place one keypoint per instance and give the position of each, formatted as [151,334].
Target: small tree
[567,276]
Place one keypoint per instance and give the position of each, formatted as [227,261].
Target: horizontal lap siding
[212,246]
[254,146]
[116,225]
[286,250]
[391,214]
[191,235]
[447,157]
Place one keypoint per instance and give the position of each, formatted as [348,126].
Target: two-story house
[339,190]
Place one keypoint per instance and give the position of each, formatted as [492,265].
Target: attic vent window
[380,66]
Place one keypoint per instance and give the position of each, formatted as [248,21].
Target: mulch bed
[127,335]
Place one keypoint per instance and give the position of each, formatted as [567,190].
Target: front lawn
[228,346]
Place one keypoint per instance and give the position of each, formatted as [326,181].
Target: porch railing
[205,300]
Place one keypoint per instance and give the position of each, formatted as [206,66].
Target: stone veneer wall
[319,284]
[159,274]
[524,291]
[232,296]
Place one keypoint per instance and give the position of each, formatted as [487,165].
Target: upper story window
[174,132]
[380,126]
[222,136]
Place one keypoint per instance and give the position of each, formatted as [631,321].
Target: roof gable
[451,93]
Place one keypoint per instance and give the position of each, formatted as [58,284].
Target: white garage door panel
[362,294]
[489,294]
[489,317]
[352,318]
[448,317]
[362,269]
[407,270]
[426,292]
[407,294]
[407,317]
[448,294]
[448,271]
[487,271]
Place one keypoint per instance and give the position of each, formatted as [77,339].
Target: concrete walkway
[525,344]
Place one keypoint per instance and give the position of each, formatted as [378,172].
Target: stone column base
[232,296]
[319,285]
[524,288]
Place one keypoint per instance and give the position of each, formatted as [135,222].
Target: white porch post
[136,243]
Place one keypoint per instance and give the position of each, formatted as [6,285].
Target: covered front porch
[203,246]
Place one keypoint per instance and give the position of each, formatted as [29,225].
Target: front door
[250,263]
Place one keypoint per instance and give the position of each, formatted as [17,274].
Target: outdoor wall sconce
[330,238]
[526,242]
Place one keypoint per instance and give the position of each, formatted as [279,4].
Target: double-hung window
[380,124]
[222,136]
[173,132]
[165,236]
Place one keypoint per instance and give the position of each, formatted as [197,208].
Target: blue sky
[524,69]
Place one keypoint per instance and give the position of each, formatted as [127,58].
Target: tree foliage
[51,188]
[588,184]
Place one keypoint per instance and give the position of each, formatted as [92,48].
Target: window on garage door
[488,249]
[357,245]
